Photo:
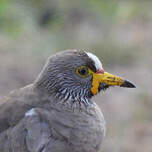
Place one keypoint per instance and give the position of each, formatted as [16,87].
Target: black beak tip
[128,84]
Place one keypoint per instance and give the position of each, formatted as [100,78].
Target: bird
[56,112]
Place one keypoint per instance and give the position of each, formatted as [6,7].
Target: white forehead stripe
[96,60]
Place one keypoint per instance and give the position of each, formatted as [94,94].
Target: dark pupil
[83,71]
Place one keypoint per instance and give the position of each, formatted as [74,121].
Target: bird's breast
[89,131]
[84,130]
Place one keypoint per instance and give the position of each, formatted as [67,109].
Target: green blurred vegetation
[91,24]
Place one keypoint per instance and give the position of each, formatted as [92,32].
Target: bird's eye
[82,71]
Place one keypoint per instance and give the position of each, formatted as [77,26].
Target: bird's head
[77,76]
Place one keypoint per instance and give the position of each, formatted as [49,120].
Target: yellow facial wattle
[97,79]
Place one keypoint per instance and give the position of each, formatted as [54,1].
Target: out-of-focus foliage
[118,31]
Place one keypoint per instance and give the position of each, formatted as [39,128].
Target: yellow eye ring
[83,71]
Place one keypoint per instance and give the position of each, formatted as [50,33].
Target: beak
[105,79]
[113,80]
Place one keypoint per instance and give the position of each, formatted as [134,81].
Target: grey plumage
[55,113]
[60,123]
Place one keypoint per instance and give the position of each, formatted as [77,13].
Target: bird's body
[77,124]
[55,113]
[14,106]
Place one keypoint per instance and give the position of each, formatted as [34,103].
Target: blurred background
[118,31]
